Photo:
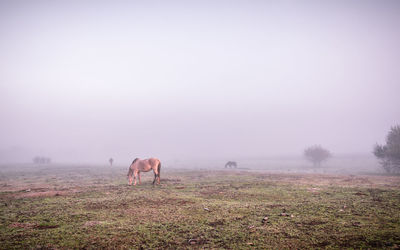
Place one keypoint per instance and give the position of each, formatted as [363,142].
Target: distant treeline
[41,160]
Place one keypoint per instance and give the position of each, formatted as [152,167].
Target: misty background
[83,81]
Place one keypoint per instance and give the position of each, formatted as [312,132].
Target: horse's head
[130,172]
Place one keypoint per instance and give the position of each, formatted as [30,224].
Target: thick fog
[82,81]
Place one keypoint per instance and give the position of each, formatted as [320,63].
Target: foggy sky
[86,80]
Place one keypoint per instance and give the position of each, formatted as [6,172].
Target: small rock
[250,243]
[251,227]
[265,219]
[291,215]
[206,208]
[341,210]
[192,241]
[28,190]
[284,214]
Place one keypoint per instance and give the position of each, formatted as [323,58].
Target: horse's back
[147,164]
[153,161]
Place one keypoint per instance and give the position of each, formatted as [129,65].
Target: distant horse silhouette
[146,165]
[231,164]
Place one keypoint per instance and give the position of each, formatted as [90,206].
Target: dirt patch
[40,194]
[162,202]
[371,181]
[359,193]
[217,223]
[313,222]
[170,180]
[136,203]
[46,226]
[273,205]
[17,185]
[22,225]
[207,191]
[210,192]
[32,225]
[314,190]
[36,191]
[100,205]
[92,223]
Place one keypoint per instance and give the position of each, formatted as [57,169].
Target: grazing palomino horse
[231,164]
[138,166]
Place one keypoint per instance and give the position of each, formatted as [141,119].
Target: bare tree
[316,154]
[231,164]
[389,154]
[36,160]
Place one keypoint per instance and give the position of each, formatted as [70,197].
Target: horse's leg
[135,175]
[139,178]
[130,180]
[155,176]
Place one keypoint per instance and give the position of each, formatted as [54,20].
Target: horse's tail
[159,169]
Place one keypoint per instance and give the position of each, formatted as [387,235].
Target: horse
[146,165]
[231,164]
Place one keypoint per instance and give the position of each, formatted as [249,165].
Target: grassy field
[93,207]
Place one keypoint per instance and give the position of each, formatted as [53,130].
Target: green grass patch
[91,208]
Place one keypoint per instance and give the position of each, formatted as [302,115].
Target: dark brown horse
[138,166]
